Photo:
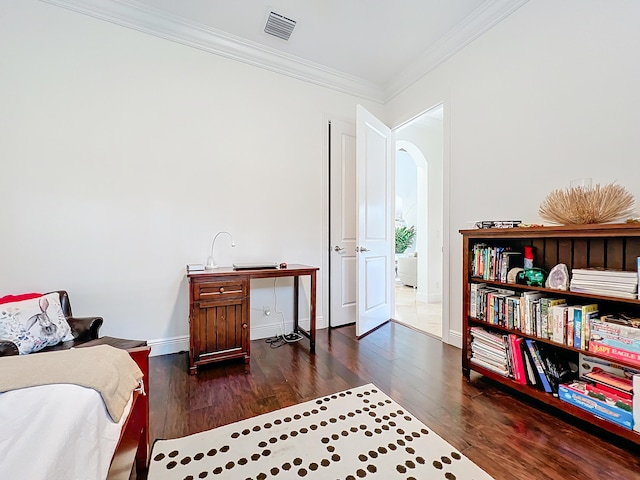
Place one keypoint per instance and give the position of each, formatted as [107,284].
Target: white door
[374,241]
[342,236]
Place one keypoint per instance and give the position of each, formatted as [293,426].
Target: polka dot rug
[356,434]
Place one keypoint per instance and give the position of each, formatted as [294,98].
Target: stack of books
[605,389]
[488,350]
[616,336]
[612,283]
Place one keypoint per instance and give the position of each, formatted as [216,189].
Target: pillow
[35,323]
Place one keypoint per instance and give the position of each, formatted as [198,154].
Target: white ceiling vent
[279,26]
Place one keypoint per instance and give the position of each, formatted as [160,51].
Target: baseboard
[455,339]
[166,346]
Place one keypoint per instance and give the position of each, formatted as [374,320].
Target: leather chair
[83,329]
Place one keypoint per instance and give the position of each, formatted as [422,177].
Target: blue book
[537,360]
[577,327]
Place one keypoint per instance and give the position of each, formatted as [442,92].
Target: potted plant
[404,238]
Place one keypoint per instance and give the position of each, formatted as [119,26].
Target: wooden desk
[219,311]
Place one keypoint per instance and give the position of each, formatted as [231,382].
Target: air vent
[279,26]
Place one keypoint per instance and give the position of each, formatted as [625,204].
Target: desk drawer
[223,289]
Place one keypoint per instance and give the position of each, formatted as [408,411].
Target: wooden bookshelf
[611,246]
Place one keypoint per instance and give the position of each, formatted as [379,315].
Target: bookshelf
[610,246]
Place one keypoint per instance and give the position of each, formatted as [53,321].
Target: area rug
[358,433]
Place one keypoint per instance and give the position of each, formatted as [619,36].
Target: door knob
[361,249]
[337,248]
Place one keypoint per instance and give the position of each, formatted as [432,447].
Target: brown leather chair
[83,329]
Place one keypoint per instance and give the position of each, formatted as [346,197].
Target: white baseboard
[455,338]
[165,346]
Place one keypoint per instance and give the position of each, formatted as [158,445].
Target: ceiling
[370,48]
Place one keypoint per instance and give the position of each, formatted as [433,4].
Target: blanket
[106,369]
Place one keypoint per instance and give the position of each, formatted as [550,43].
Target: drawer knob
[221,289]
[244,325]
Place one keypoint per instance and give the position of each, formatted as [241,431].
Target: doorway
[419,205]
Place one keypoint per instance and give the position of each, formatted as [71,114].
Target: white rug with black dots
[358,433]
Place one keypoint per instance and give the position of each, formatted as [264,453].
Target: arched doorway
[419,202]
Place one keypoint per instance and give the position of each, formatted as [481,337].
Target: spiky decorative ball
[585,205]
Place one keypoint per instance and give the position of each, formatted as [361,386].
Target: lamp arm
[210,263]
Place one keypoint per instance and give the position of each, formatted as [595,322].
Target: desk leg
[296,298]
[312,333]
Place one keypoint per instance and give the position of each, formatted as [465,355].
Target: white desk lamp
[210,263]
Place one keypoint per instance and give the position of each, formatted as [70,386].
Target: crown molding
[146,19]
[140,17]
[480,21]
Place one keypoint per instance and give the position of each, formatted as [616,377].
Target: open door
[374,241]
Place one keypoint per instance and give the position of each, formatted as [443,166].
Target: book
[527,306]
[473,298]
[577,394]
[620,276]
[587,363]
[624,343]
[607,285]
[195,267]
[489,366]
[614,353]
[559,319]
[558,365]
[537,361]
[518,359]
[620,385]
[568,339]
[603,291]
[616,325]
[529,368]
[580,324]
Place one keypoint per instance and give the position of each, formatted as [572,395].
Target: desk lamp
[210,263]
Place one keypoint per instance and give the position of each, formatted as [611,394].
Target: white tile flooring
[426,317]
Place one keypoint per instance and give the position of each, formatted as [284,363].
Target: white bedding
[56,432]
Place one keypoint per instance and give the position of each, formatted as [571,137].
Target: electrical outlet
[266,310]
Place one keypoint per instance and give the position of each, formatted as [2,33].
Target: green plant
[404,238]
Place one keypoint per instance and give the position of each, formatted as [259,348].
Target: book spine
[537,361]
[577,327]
[569,321]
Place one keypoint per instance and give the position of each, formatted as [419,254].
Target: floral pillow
[35,323]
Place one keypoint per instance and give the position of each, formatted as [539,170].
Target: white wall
[548,95]
[123,154]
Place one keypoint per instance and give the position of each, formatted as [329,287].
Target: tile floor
[426,317]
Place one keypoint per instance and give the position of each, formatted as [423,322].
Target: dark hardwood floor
[507,436]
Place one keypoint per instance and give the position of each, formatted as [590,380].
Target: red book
[516,345]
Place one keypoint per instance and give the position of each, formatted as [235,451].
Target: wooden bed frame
[133,446]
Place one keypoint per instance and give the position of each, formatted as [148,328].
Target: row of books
[494,263]
[533,313]
[613,283]
[522,359]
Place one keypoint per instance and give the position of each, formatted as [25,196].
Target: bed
[94,427]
